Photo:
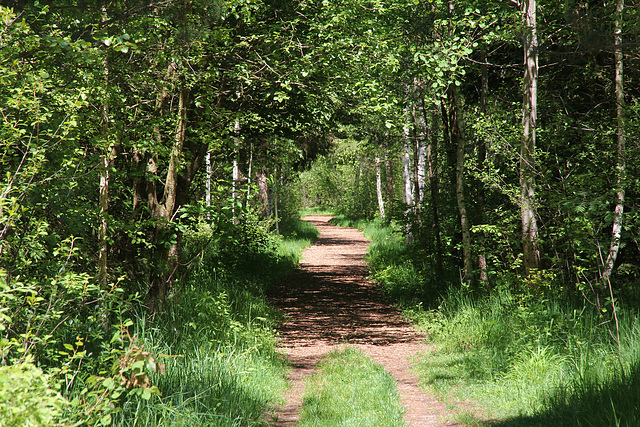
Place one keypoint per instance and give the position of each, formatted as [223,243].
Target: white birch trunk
[235,173]
[407,180]
[407,177]
[207,194]
[249,172]
[379,189]
[616,232]
[422,166]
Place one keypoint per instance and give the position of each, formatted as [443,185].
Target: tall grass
[316,211]
[524,355]
[351,390]
[216,339]
[531,359]
[397,268]
[211,386]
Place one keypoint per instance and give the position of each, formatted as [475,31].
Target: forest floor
[329,303]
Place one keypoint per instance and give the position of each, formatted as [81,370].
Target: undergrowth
[351,390]
[520,354]
[215,341]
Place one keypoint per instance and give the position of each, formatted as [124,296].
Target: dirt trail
[330,303]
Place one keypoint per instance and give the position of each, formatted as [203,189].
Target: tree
[458,140]
[379,188]
[531,249]
[616,233]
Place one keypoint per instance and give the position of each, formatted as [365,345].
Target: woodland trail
[329,303]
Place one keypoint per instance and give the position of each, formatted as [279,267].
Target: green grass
[316,211]
[351,390]
[297,228]
[529,362]
[212,386]
[519,355]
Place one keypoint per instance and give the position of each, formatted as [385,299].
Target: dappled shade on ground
[330,302]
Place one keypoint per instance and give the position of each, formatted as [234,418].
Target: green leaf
[108,383]
[146,394]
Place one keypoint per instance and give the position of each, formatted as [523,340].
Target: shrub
[29,397]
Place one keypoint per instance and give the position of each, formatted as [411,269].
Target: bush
[29,397]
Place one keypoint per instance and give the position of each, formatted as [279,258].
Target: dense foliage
[148,146]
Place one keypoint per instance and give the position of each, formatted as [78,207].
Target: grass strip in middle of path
[349,389]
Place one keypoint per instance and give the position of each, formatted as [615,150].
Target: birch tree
[379,188]
[616,232]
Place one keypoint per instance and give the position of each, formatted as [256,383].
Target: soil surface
[329,303]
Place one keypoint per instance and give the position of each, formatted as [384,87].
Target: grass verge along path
[350,389]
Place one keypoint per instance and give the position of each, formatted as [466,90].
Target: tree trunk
[390,191]
[249,172]
[616,232]
[207,195]
[407,169]
[235,173]
[103,241]
[407,180]
[167,257]
[379,189]
[356,187]
[432,164]
[530,248]
[420,130]
[482,156]
[458,138]
[421,172]
[169,198]
[263,192]
[105,165]
[275,201]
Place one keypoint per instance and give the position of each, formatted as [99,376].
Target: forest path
[329,303]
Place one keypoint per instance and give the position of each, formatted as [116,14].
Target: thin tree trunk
[420,131]
[431,159]
[275,202]
[356,187]
[249,171]
[432,165]
[530,248]
[263,192]
[207,195]
[458,138]
[235,173]
[390,191]
[616,232]
[407,184]
[406,170]
[105,164]
[379,189]
[482,156]
[421,172]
